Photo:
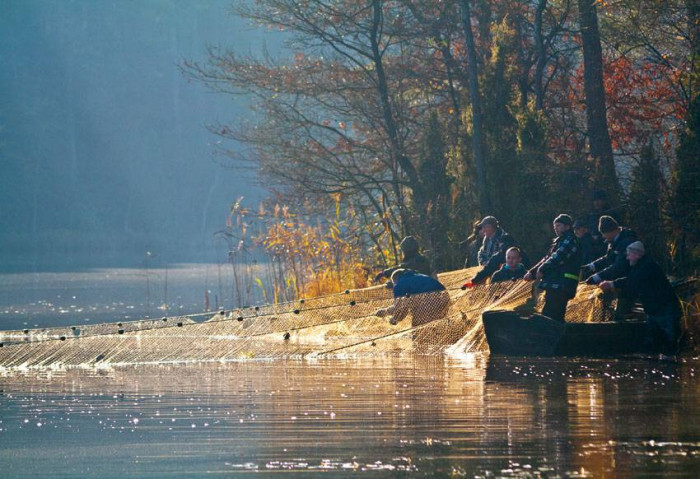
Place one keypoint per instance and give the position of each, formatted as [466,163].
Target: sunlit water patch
[416,417]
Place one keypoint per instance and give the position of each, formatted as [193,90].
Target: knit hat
[564,219]
[606,224]
[579,224]
[637,246]
[489,220]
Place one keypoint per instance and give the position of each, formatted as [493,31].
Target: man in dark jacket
[422,296]
[600,208]
[512,270]
[412,259]
[472,245]
[558,272]
[493,250]
[590,249]
[648,282]
[614,264]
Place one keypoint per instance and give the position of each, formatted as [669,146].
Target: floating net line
[337,325]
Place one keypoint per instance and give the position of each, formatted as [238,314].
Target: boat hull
[507,333]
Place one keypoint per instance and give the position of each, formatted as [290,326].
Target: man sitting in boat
[412,259]
[513,269]
[558,271]
[493,250]
[420,295]
[648,282]
[614,264]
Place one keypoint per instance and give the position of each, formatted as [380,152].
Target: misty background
[105,159]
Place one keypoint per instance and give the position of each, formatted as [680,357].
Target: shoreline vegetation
[382,119]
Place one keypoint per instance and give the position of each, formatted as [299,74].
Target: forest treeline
[391,118]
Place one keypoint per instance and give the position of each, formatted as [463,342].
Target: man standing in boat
[493,250]
[558,271]
[648,282]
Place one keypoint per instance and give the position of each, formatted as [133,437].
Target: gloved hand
[378,277]
[468,285]
[381,312]
[392,320]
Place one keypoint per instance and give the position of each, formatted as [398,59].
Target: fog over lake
[104,149]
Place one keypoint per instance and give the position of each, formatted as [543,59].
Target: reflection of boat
[508,333]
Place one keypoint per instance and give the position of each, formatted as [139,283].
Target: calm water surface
[471,416]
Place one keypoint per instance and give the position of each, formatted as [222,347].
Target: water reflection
[417,416]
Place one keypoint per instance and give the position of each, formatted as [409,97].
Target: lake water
[416,416]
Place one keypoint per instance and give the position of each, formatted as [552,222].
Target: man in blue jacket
[420,295]
[558,272]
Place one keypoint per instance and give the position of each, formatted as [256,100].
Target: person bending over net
[420,295]
[647,281]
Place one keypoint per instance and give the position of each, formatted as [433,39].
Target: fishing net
[337,325]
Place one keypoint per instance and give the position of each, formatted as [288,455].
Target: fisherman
[472,245]
[493,251]
[420,295]
[600,208]
[412,259]
[648,282]
[558,270]
[513,269]
[590,249]
[614,264]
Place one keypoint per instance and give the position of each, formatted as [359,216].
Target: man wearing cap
[558,271]
[492,253]
[614,264]
[648,282]
[412,259]
[601,208]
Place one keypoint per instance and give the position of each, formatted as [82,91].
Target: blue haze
[104,151]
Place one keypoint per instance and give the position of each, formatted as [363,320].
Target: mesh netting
[340,325]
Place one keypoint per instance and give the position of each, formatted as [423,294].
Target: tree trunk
[397,151]
[596,119]
[541,55]
[477,120]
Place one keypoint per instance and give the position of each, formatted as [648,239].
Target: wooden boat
[508,333]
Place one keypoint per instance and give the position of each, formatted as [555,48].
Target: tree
[476,108]
[644,202]
[685,200]
[596,118]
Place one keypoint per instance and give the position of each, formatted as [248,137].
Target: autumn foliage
[382,118]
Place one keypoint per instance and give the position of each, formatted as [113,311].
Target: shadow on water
[413,416]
